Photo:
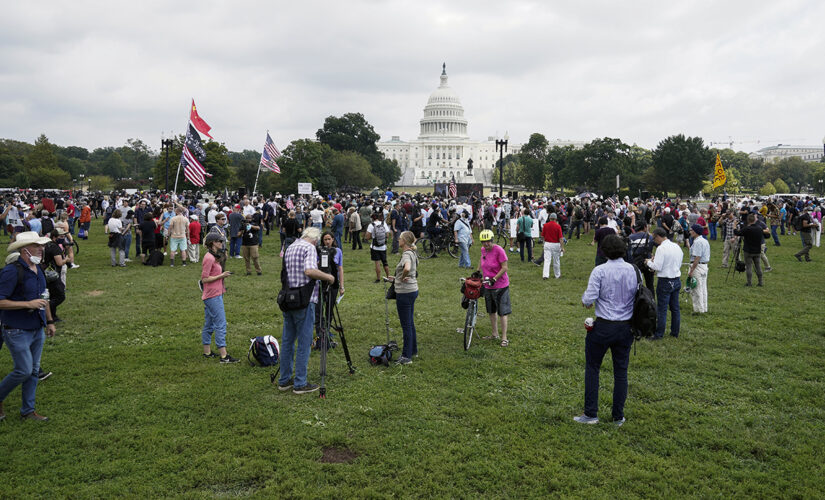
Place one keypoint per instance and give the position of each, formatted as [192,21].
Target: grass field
[733,408]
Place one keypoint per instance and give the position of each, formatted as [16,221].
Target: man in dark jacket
[752,235]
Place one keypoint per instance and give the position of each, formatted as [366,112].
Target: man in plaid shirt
[301,261]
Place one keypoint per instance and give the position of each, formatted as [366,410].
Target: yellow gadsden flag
[719,178]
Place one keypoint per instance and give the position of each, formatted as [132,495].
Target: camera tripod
[735,267]
[330,319]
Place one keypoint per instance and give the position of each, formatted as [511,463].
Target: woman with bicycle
[406,290]
[493,266]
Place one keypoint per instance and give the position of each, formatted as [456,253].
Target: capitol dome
[443,114]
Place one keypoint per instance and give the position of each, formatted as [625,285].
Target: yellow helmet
[485,235]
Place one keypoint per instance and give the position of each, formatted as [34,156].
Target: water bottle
[45,296]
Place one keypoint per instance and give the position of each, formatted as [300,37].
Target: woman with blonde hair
[406,290]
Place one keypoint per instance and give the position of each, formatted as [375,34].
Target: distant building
[444,147]
[780,151]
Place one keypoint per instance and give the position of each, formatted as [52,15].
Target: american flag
[289,204]
[192,168]
[453,189]
[269,155]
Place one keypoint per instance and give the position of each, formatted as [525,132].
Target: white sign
[513,224]
[535,231]
[304,188]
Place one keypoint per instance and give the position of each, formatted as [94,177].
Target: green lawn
[733,408]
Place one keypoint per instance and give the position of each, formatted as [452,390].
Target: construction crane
[730,142]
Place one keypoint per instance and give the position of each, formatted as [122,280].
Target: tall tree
[533,157]
[305,160]
[352,132]
[351,169]
[41,156]
[597,164]
[682,164]
[42,169]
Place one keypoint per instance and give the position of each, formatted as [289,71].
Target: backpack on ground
[381,355]
[643,321]
[155,258]
[263,351]
[379,234]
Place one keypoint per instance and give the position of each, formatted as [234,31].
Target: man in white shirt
[699,258]
[667,263]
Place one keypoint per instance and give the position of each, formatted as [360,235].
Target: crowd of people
[650,234]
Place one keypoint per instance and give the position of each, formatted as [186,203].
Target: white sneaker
[239,257]
[127,260]
[584,419]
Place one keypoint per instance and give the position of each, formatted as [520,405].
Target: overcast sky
[96,73]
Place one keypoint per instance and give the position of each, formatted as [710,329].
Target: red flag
[200,125]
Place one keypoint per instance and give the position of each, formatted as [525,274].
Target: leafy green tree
[352,132]
[114,166]
[557,157]
[818,179]
[793,171]
[138,158]
[41,156]
[781,186]
[767,189]
[597,164]
[682,164]
[101,183]
[533,158]
[305,160]
[352,169]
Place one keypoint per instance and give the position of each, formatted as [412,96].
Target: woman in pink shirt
[493,266]
[214,315]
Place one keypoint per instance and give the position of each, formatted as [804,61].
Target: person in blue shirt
[26,319]
[612,288]
[464,237]
[337,227]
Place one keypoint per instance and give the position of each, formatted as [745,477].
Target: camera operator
[334,265]
[301,264]
[753,235]
[806,223]
[729,233]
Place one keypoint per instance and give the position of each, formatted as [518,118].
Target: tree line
[344,155]
[678,164]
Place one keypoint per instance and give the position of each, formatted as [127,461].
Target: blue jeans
[775,236]
[235,246]
[126,243]
[464,258]
[712,230]
[577,225]
[616,337]
[405,304]
[526,243]
[25,347]
[71,225]
[337,237]
[214,320]
[667,296]
[297,326]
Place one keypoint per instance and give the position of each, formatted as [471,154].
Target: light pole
[501,147]
[820,182]
[167,145]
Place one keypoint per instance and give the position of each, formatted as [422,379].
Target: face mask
[35,259]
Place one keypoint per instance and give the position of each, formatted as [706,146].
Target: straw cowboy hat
[27,238]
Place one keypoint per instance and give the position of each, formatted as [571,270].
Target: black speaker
[241,192]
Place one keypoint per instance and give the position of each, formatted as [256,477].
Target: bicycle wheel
[501,239]
[453,249]
[426,248]
[470,324]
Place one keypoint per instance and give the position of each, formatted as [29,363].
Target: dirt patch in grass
[94,293]
[334,455]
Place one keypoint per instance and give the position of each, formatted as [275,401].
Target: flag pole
[255,189]
[176,179]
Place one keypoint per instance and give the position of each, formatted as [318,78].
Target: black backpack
[155,258]
[643,321]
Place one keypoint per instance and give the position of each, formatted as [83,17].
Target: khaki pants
[250,252]
[699,295]
[194,251]
[729,247]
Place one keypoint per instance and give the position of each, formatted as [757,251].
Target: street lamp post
[501,147]
[167,145]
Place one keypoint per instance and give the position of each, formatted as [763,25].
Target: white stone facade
[443,145]
[780,151]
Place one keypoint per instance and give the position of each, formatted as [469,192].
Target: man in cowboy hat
[25,318]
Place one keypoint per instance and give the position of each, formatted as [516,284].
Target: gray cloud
[94,74]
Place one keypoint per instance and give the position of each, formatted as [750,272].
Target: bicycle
[502,235]
[472,315]
[429,247]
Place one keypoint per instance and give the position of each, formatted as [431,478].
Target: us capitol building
[443,147]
